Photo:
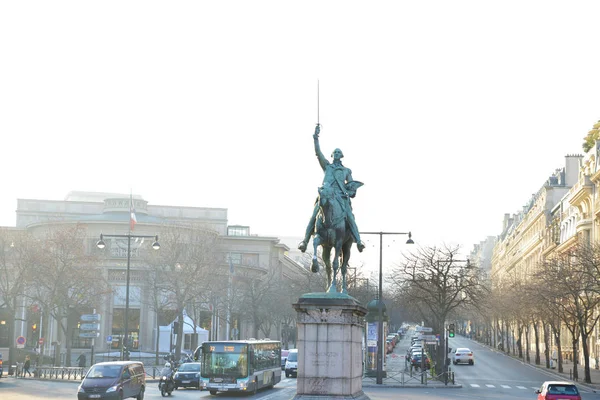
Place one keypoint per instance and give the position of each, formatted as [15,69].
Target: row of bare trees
[560,294]
[52,268]
[61,269]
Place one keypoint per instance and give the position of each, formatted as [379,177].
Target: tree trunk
[586,357]
[156,362]
[536,332]
[575,373]
[508,329]
[558,348]
[546,344]
[527,344]
[520,339]
[179,335]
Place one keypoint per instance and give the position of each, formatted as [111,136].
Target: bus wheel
[213,392]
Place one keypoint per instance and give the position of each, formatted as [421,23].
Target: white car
[463,355]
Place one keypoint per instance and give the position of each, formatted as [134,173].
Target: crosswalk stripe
[474,385]
[505,386]
[522,387]
[490,386]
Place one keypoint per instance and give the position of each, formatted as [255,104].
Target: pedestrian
[81,360]
[27,366]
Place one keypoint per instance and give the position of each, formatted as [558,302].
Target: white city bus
[239,365]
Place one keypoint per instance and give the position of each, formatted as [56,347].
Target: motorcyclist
[166,385]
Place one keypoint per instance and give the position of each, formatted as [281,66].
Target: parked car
[291,365]
[113,380]
[1,370]
[463,355]
[187,375]
[558,390]
[415,360]
[284,355]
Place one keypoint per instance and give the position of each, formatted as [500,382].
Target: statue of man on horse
[332,221]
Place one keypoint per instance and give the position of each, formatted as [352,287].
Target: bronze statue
[340,179]
[332,221]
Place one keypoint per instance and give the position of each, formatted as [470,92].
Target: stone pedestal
[330,355]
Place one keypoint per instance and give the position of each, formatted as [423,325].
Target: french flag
[132,218]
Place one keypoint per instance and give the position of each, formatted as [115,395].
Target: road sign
[90,317]
[91,334]
[89,327]
[21,342]
[109,339]
[41,341]
[423,329]
[429,337]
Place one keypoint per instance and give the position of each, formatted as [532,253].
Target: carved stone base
[360,396]
[330,355]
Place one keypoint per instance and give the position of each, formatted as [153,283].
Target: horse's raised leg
[315,262]
[327,260]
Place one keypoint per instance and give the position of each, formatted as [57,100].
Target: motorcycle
[166,385]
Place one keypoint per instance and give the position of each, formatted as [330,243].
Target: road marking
[490,386]
[474,385]
[521,387]
[505,386]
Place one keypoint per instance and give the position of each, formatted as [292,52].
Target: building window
[237,230]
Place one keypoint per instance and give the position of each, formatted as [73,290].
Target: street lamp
[101,245]
[380,299]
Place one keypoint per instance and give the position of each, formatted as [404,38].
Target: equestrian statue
[332,222]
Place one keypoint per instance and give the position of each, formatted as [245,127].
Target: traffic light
[451,330]
[34,328]
[175,326]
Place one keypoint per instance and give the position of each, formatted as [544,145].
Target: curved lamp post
[101,245]
[380,299]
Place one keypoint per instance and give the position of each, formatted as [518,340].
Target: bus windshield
[229,360]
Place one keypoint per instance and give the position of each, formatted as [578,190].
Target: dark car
[113,380]
[416,361]
[188,375]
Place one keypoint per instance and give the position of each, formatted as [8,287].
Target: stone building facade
[109,214]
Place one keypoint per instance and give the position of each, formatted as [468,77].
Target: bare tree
[187,265]
[571,282]
[439,285]
[19,255]
[69,281]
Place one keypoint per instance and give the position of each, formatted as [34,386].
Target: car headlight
[111,389]
[164,378]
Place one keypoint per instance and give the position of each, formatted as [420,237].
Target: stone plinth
[330,357]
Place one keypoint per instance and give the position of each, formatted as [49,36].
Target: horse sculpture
[332,233]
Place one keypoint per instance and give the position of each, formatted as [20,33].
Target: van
[114,380]
[291,364]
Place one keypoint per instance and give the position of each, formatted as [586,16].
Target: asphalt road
[494,376]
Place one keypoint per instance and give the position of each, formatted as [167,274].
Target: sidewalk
[566,375]
[399,377]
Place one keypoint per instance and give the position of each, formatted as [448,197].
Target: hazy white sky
[451,112]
